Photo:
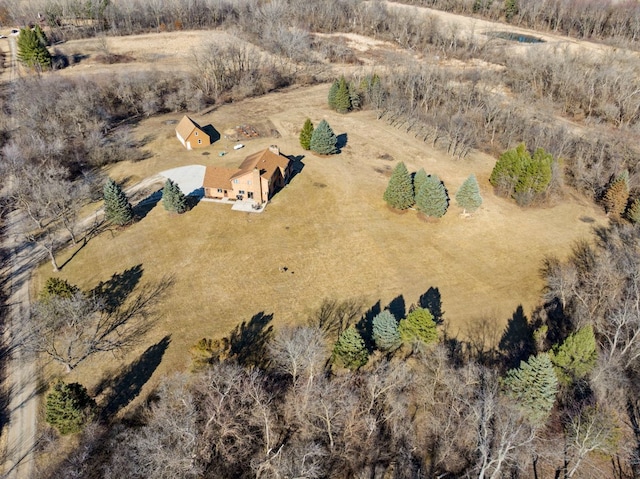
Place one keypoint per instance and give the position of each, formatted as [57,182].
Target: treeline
[557,397]
[618,21]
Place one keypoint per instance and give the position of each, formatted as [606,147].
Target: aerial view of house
[257,178]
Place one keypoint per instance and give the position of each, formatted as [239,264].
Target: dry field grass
[329,227]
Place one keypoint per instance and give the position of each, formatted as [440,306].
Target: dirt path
[22,376]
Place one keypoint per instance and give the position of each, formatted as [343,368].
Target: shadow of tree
[247,342]
[481,336]
[144,206]
[432,300]
[116,289]
[125,387]
[334,316]
[365,325]
[342,140]
[398,307]
[517,342]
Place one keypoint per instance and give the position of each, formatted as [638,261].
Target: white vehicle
[238,146]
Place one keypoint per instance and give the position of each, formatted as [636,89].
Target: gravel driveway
[189,179]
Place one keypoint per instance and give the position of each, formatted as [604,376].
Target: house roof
[266,161]
[186,127]
[217,177]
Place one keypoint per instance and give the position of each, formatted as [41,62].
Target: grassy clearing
[329,227]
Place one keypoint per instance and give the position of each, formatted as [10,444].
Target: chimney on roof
[274,149]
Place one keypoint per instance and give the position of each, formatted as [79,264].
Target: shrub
[385,331]
[399,192]
[68,407]
[418,326]
[350,349]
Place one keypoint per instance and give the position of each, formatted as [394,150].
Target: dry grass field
[329,227]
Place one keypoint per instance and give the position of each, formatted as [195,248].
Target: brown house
[191,135]
[258,178]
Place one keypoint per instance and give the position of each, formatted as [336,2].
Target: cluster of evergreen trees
[522,176]
[385,333]
[346,96]
[320,139]
[428,193]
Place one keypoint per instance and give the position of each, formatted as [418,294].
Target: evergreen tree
[576,356]
[432,198]
[333,91]
[533,386]
[522,176]
[323,139]
[342,99]
[117,208]
[173,199]
[68,407]
[468,196]
[633,212]
[350,349]
[58,287]
[418,180]
[32,48]
[385,331]
[510,9]
[399,192]
[617,195]
[306,134]
[418,326]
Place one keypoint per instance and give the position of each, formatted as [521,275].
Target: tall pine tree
[418,326]
[533,386]
[350,350]
[576,356]
[432,199]
[342,99]
[399,192]
[385,331]
[418,180]
[323,139]
[305,134]
[32,48]
[333,91]
[117,208]
[68,407]
[468,196]
[173,199]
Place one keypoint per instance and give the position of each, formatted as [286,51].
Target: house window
[241,192]
[219,190]
[199,142]
[249,182]
[235,181]
[196,133]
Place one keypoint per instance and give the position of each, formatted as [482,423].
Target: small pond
[515,37]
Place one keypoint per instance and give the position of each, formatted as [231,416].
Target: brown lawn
[329,227]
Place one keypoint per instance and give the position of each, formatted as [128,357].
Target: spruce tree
[533,386]
[432,199]
[350,350]
[576,356]
[333,91]
[32,48]
[468,196]
[117,208]
[633,212]
[59,288]
[617,195]
[399,192]
[418,180]
[173,199]
[418,326]
[68,407]
[342,101]
[323,139]
[385,331]
[305,134]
